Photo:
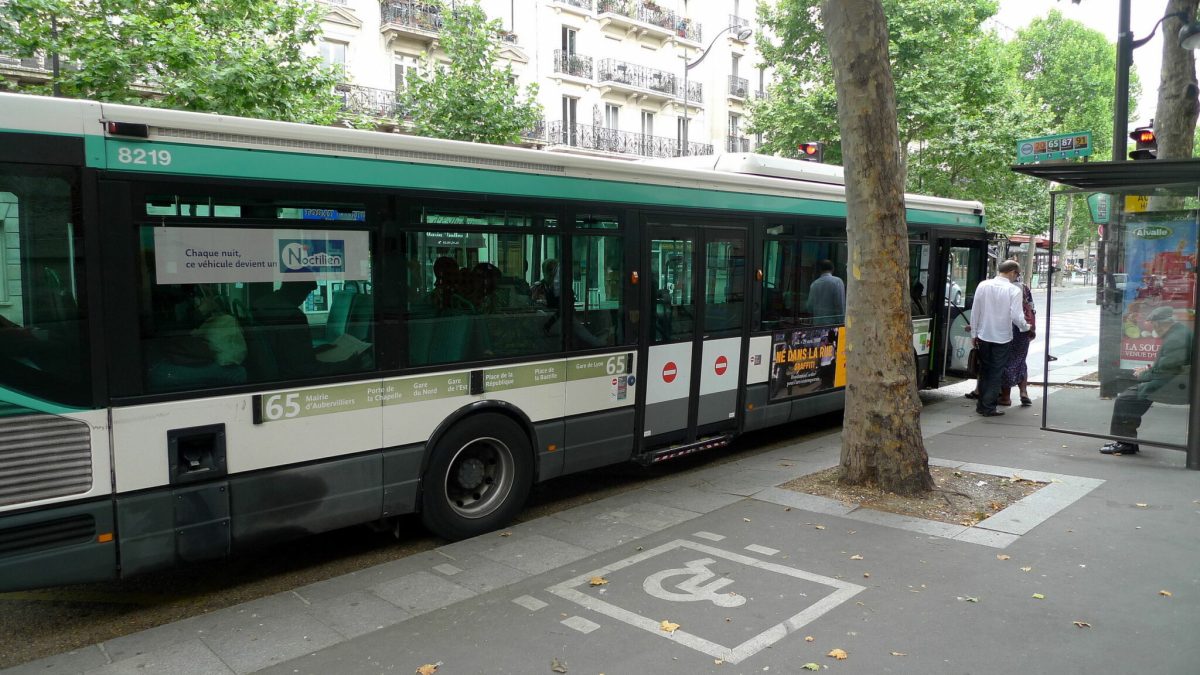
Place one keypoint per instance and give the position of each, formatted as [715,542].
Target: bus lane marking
[698,584]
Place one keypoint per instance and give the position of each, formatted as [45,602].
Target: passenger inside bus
[210,354]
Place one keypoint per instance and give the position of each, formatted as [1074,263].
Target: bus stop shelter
[1147,261]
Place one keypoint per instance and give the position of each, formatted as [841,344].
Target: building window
[734,63]
[404,68]
[735,122]
[612,116]
[681,131]
[569,107]
[333,53]
[569,38]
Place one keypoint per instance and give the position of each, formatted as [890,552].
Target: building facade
[612,74]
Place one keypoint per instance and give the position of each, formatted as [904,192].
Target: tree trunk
[881,436]
[1175,119]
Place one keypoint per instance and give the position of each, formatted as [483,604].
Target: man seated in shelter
[1164,381]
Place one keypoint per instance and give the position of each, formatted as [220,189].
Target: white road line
[755,548]
[580,624]
[708,535]
[530,603]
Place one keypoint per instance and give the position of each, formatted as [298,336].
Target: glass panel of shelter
[1123,349]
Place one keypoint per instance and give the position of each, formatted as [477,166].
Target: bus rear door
[694,299]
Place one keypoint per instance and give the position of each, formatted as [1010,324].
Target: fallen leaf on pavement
[668,627]
[558,666]
[811,666]
[1165,594]
[746,519]
[899,654]
[1141,505]
[1001,556]
[506,534]
[819,527]
[856,557]
[597,581]
[839,654]
[809,638]
[1082,624]
[718,661]
[1038,596]
[1026,569]
[866,575]
[428,668]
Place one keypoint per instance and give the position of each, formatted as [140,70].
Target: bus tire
[478,477]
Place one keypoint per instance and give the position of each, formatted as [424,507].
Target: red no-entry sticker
[669,372]
[721,365]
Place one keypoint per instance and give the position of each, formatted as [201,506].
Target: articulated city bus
[219,332]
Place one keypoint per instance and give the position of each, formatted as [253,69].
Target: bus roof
[728,172]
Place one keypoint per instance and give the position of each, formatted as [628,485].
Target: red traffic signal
[1147,143]
[812,151]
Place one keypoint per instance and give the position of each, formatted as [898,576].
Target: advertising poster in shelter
[806,361]
[1160,271]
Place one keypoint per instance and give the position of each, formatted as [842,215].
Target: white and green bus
[220,332]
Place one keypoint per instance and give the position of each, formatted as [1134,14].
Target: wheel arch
[470,410]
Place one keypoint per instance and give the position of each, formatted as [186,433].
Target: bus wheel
[478,479]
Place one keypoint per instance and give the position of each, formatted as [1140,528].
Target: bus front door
[694,298]
[961,265]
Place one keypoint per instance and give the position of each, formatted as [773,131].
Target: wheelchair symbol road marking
[692,589]
[696,588]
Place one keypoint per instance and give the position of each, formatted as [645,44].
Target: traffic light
[1147,143]
[812,151]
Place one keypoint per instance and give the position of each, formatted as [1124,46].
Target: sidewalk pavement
[751,572]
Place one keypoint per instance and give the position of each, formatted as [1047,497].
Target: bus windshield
[43,337]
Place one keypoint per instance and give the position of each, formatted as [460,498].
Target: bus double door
[693,298]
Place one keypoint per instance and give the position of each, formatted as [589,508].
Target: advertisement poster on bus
[209,255]
[1160,271]
[807,360]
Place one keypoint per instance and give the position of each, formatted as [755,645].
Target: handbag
[973,362]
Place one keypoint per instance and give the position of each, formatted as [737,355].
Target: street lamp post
[743,33]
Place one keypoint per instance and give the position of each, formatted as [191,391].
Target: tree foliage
[963,96]
[469,97]
[238,57]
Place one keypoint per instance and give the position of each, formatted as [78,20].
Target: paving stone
[358,613]
[595,535]
[160,637]
[920,525]
[421,592]
[267,631]
[693,499]
[362,580]
[536,554]
[975,535]
[74,661]
[803,501]
[185,658]
[481,574]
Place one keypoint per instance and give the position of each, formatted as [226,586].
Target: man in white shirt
[996,309]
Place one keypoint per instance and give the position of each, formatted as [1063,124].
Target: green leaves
[237,57]
[468,97]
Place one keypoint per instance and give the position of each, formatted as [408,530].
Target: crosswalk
[1074,341]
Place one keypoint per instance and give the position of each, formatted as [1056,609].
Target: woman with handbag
[1016,373]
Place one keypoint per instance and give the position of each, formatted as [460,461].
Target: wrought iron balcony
[411,15]
[593,137]
[736,22]
[760,95]
[535,133]
[739,87]
[577,65]
[633,76]
[649,13]
[581,4]
[737,144]
[368,101]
